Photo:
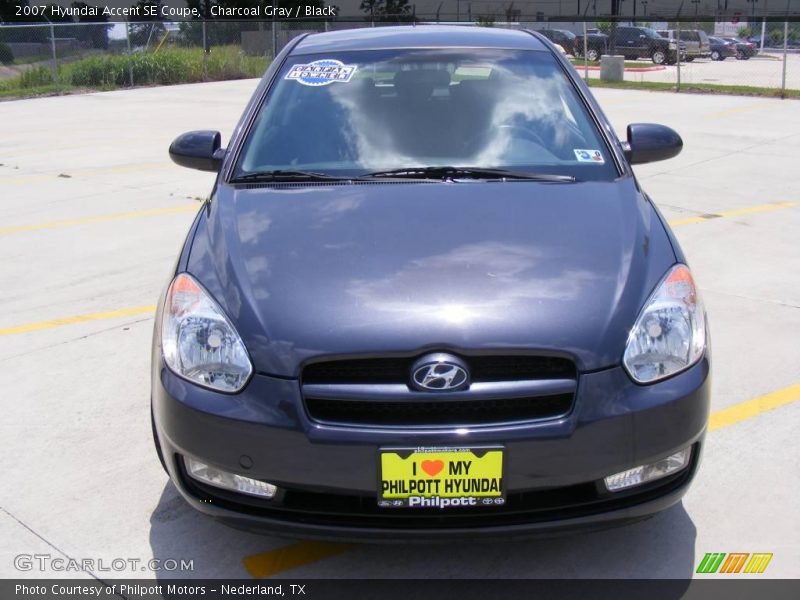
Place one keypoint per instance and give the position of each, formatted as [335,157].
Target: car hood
[309,270]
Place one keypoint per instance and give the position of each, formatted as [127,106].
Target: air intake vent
[398,370]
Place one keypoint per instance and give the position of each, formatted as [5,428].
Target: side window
[623,35]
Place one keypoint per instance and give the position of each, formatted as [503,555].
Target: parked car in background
[596,45]
[696,41]
[754,39]
[643,42]
[721,49]
[744,48]
[561,37]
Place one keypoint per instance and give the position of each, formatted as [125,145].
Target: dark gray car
[428,299]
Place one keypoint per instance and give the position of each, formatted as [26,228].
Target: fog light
[228,481]
[645,473]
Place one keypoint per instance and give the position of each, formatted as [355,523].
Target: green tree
[387,10]
[221,32]
[8,9]
[150,29]
[96,36]
[604,26]
[744,32]
[6,55]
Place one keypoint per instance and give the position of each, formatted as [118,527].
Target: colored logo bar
[734,562]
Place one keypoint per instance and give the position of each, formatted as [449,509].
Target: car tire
[716,56]
[592,54]
[689,58]
[721,58]
[659,57]
[739,55]
[157,443]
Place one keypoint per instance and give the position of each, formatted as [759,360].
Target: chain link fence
[684,56]
[713,57]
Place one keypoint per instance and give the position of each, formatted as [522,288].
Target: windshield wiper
[467,173]
[283,175]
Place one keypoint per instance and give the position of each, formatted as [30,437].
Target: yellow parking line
[292,556]
[102,218]
[273,562]
[266,564]
[737,109]
[84,173]
[99,316]
[734,213]
[754,407]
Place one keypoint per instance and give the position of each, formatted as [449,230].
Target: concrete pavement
[81,477]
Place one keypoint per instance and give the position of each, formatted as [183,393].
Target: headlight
[198,341]
[673,45]
[670,333]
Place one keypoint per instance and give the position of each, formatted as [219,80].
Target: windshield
[355,113]
[651,33]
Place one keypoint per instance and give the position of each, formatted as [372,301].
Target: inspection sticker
[590,156]
[321,72]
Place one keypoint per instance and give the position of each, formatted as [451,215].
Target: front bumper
[328,474]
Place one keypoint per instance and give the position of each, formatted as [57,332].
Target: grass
[26,60]
[172,65]
[700,88]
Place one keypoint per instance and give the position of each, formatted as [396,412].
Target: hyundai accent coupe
[427,299]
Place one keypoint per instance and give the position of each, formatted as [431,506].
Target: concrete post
[612,67]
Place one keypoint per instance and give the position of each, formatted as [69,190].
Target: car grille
[444,412]
[397,370]
[374,392]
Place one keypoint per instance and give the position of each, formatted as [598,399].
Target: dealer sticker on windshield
[441,477]
[589,156]
[321,72]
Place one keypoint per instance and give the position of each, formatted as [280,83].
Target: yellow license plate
[441,477]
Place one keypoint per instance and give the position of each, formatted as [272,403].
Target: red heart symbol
[432,467]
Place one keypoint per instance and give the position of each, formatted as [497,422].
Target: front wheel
[739,55]
[716,55]
[592,54]
[659,57]
[689,58]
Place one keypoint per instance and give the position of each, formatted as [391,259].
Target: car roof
[419,36]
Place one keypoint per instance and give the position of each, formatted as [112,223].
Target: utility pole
[612,34]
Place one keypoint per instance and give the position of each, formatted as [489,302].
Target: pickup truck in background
[632,43]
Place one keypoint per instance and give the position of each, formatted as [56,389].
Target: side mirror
[648,142]
[198,150]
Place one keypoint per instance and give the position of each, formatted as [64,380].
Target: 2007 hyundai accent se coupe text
[427,299]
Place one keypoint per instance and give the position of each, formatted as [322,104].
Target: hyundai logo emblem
[440,372]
